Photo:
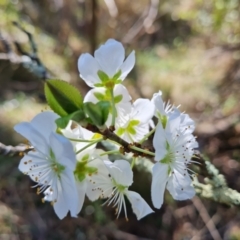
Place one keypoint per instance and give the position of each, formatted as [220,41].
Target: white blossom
[122,100]
[109,59]
[174,146]
[115,186]
[51,164]
[165,111]
[161,108]
[90,165]
[132,127]
[75,132]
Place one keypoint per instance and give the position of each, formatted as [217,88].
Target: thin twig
[145,21]
[206,219]
[14,150]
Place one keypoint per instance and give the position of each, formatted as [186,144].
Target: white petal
[81,188]
[119,89]
[88,68]
[159,143]
[158,102]
[128,65]
[110,57]
[60,206]
[173,124]
[70,192]
[99,179]
[121,171]
[139,205]
[63,150]
[33,136]
[28,163]
[45,123]
[143,110]
[180,186]
[24,164]
[90,97]
[159,180]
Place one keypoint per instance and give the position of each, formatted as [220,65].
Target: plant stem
[79,140]
[110,152]
[147,135]
[113,108]
[89,145]
[142,150]
[133,162]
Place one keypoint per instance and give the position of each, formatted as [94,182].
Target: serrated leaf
[98,113]
[76,116]
[62,97]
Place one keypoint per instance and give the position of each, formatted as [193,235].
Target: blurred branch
[14,150]
[5,44]
[145,21]
[206,219]
[93,26]
[24,68]
[34,55]
[152,14]
[112,8]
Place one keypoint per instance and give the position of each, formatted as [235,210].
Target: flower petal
[110,57]
[128,65]
[139,205]
[158,102]
[179,185]
[45,123]
[81,189]
[159,143]
[88,68]
[60,206]
[90,96]
[63,150]
[159,180]
[33,136]
[70,192]
[143,110]
[121,171]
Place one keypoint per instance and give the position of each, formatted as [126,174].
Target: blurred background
[190,49]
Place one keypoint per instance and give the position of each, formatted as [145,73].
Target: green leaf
[62,97]
[76,116]
[104,107]
[103,76]
[98,113]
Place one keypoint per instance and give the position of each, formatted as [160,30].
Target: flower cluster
[69,160]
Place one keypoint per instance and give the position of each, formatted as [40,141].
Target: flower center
[163,119]
[130,128]
[169,158]
[108,82]
[56,167]
[82,169]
